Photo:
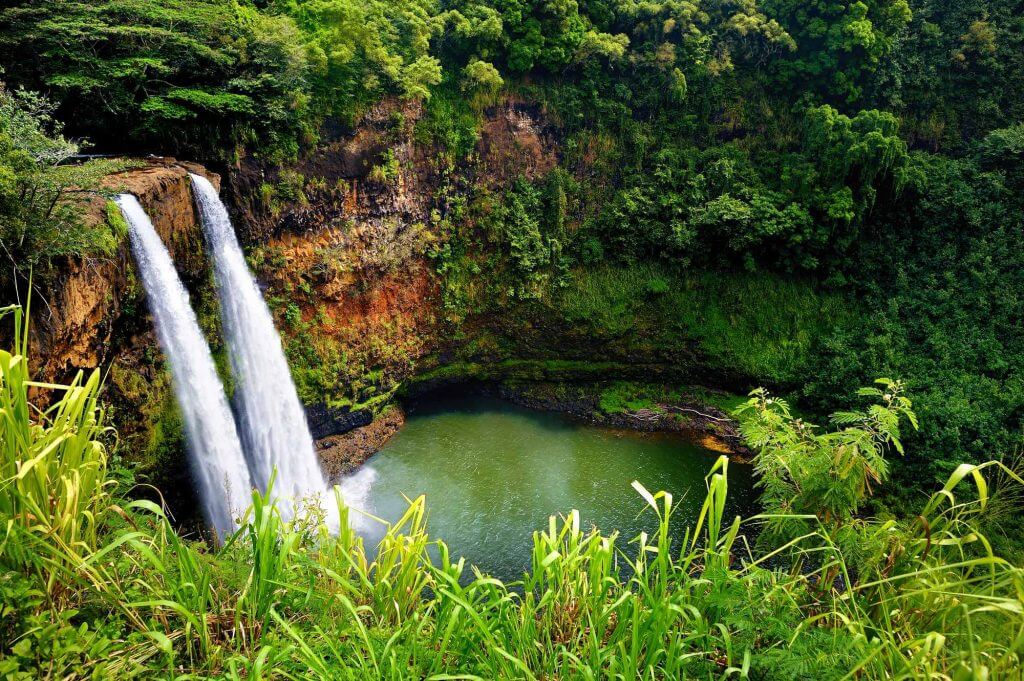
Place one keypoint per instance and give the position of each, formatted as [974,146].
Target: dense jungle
[551,339]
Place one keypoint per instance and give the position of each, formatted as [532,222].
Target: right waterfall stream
[272,421]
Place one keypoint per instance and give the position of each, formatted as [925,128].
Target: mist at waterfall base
[271,419]
[216,456]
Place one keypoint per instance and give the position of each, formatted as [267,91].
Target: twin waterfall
[272,430]
[217,458]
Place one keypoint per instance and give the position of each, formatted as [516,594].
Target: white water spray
[271,418]
[217,459]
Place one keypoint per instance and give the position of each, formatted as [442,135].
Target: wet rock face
[73,324]
[345,232]
[349,249]
[325,421]
[93,314]
[516,140]
[343,453]
[373,175]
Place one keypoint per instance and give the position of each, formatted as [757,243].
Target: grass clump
[54,468]
[623,397]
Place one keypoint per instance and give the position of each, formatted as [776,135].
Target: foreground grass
[99,588]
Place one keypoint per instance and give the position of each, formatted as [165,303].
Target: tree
[481,77]
[1003,150]
[191,76]
[839,44]
[365,49]
[39,222]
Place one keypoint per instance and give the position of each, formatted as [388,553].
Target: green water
[493,472]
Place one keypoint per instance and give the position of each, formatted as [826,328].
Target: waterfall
[215,451]
[271,418]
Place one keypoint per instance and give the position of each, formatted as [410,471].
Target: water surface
[493,472]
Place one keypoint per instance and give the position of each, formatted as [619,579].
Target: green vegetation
[742,324]
[211,78]
[40,199]
[750,192]
[189,74]
[630,396]
[862,157]
[96,586]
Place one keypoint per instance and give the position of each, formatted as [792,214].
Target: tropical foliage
[96,587]
[40,194]
[802,195]
[869,152]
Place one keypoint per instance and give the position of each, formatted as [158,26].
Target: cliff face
[75,321]
[349,241]
[344,240]
[349,244]
[93,314]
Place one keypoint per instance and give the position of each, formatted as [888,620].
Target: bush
[40,196]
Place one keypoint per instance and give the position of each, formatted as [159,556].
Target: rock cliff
[76,317]
[345,241]
[92,314]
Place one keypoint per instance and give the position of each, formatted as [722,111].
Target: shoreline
[360,435]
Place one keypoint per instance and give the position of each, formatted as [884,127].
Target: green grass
[116,221]
[93,586]
[760,326]
[621,397]
[449,123]
[518,369]
[625,396]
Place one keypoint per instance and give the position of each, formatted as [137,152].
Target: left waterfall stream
[215,451]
